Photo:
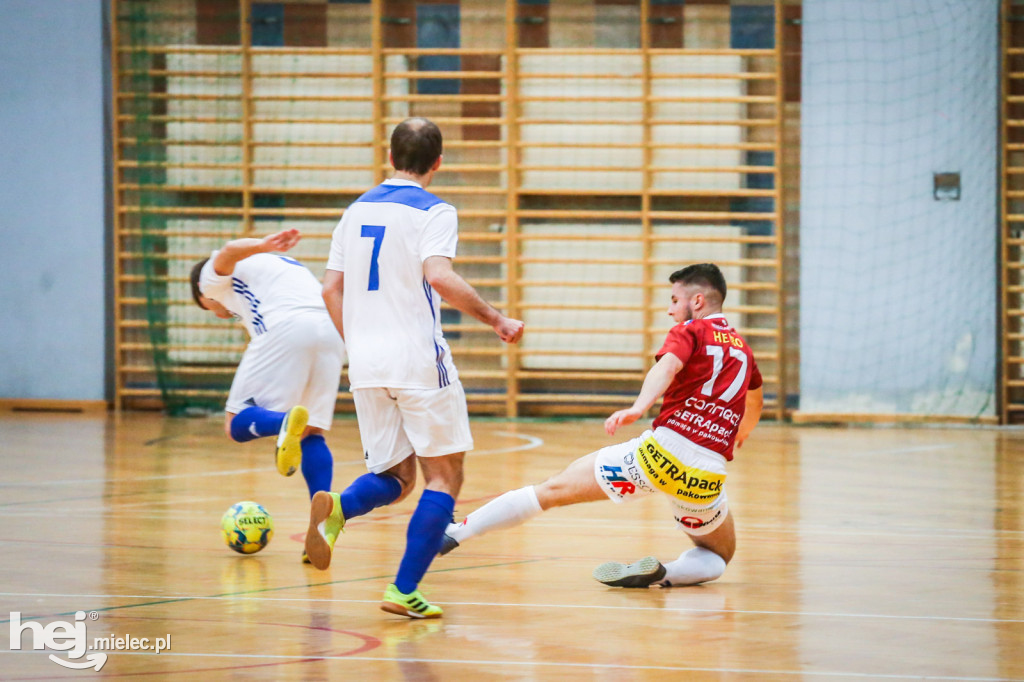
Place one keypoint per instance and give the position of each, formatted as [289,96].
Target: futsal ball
[247,527]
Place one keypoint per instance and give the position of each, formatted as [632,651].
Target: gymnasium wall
[52,179]
[923,317]
[898,288]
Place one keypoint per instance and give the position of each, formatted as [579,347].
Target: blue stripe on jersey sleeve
[407,195]
[442,371]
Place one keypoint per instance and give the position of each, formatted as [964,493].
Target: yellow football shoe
[289,445]
[413,605]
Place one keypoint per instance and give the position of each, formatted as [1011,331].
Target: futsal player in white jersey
[390,265]
[286,384]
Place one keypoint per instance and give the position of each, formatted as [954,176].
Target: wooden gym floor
[863,553]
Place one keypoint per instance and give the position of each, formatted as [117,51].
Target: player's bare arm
[655,384]
[754,404]
[459,293]
[239,249]
[334,293]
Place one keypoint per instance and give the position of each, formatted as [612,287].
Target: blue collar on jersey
[411,195]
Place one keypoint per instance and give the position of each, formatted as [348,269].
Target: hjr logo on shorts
[614,476]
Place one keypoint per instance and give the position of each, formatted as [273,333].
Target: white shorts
[397,422]
[296,363]
[690,476]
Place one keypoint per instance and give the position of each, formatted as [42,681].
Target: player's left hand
[282,241]
[621,418]
[509,330]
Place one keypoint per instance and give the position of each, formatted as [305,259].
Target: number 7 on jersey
[376,232]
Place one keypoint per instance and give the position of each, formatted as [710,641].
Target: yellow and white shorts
[691,476]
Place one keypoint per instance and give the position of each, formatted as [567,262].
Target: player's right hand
[621,418]
[509,330]
[282,241]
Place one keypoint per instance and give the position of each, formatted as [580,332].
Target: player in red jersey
[713,398]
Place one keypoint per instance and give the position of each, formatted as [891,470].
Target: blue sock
[317,463]
[423,538]
[255,422]
[368,492]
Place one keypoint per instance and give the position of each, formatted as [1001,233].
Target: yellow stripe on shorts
[671,476]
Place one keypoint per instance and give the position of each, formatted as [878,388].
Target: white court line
[130,511]
[903,451]
[558,664]
[527,605]
[883,530]
[532,442]
[665,527]
[156,504]
[32,484]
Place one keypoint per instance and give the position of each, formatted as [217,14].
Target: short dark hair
[194,280]
[416,145]
[706,275]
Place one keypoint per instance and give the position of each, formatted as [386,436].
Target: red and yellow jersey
[706,399]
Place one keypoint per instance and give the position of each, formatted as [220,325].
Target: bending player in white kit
[390,265]
[713,399]
[286,384]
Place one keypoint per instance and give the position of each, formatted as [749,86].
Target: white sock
[694,566]
[511,509]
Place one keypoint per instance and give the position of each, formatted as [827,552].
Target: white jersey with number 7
[391,315]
